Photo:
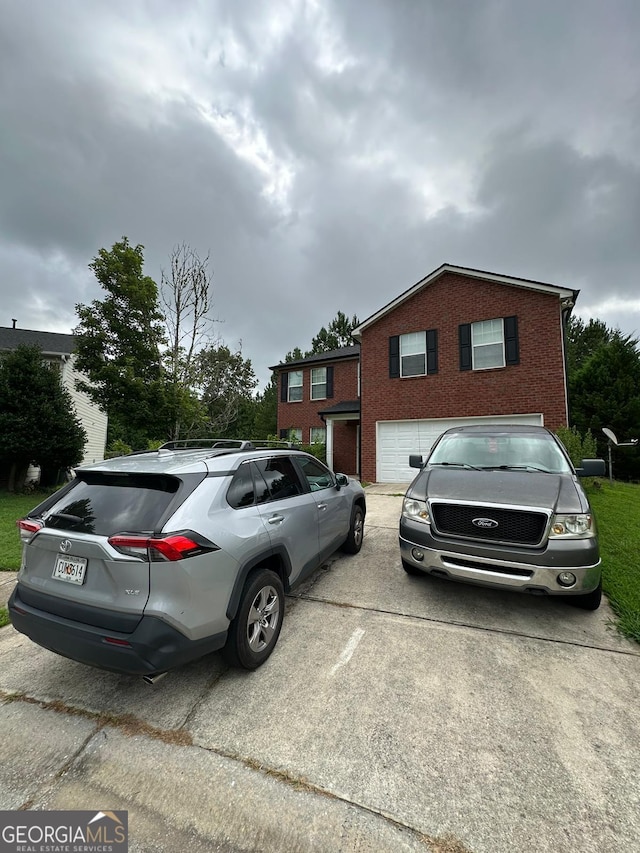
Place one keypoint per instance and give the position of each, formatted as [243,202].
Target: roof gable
[566,295]
[51,343]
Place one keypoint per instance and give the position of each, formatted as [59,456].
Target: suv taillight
[172,547]
[28,528]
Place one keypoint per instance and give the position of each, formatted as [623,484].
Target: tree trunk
[17,476]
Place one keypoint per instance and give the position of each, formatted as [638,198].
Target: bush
[117,448]
[317,450]
[578,447]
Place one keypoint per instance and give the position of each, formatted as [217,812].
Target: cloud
[326,157]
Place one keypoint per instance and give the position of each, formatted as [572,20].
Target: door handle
[322,506]
[276,519]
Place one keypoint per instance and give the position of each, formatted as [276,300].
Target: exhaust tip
[153,678]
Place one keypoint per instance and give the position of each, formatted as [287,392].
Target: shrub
[578,447]
[117,448]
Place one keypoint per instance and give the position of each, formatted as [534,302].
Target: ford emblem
[487,523]
[65,545]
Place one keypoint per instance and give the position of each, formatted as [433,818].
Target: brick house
[319,402]
[460,346]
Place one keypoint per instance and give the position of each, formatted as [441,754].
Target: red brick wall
[304,415]
[535,385]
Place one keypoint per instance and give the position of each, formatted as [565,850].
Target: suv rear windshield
[106,504]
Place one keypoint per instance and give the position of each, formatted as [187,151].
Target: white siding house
[59,349]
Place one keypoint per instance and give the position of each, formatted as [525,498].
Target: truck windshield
[501,450]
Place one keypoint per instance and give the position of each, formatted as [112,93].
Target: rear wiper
[63,516]
[457,465]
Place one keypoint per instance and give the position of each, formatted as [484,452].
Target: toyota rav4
[145,562]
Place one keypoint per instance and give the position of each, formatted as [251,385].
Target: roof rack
[224,444]
[201,443]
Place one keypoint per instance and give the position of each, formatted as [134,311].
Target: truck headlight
[416,510]
[573,526]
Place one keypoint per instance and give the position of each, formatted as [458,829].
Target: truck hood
[555,492]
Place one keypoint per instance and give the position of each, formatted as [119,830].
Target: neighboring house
[58,349]
[319,402]
[461,346]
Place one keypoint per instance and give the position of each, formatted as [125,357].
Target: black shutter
[511,347]
[330,381]
[432,351]
[464,336]
[394,356]
[284,433]
[284,387]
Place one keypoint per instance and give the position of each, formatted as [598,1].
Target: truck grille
[514,526]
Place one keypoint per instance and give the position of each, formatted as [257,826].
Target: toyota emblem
[65,546]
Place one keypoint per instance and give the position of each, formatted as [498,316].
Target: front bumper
[154,646]
[495,568]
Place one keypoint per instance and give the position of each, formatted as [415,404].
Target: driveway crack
[461,624]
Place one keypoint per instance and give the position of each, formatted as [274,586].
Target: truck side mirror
[591,468]
[415,461]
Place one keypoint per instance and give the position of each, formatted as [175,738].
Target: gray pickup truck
[502,506]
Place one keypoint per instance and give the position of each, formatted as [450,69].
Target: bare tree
[186,294]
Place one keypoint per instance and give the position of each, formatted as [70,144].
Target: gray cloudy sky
[327,154]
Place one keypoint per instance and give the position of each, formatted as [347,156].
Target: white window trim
[323,429]
[424,352]
[316,384]
[475,346]
[296,385]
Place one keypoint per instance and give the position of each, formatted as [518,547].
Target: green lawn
[617,509]
[616,505]
[13,507]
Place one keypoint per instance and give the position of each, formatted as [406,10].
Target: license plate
[70,569]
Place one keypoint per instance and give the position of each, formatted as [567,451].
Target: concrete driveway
[397,713]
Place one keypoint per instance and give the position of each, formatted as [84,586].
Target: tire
[411,569]
[353,542]
[589,601]
[254,632]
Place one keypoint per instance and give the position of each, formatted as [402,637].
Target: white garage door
[395,440]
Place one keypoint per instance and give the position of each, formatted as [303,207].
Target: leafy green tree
[337,334]
[583,340]
[226,379]
[37,421]
[266,410]
[295,355]
[605,392]
[119,347]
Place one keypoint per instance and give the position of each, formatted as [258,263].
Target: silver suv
[503,507]
[147,561]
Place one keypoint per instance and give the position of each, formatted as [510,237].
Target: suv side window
[241,492]
[280,477]
[317,476]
